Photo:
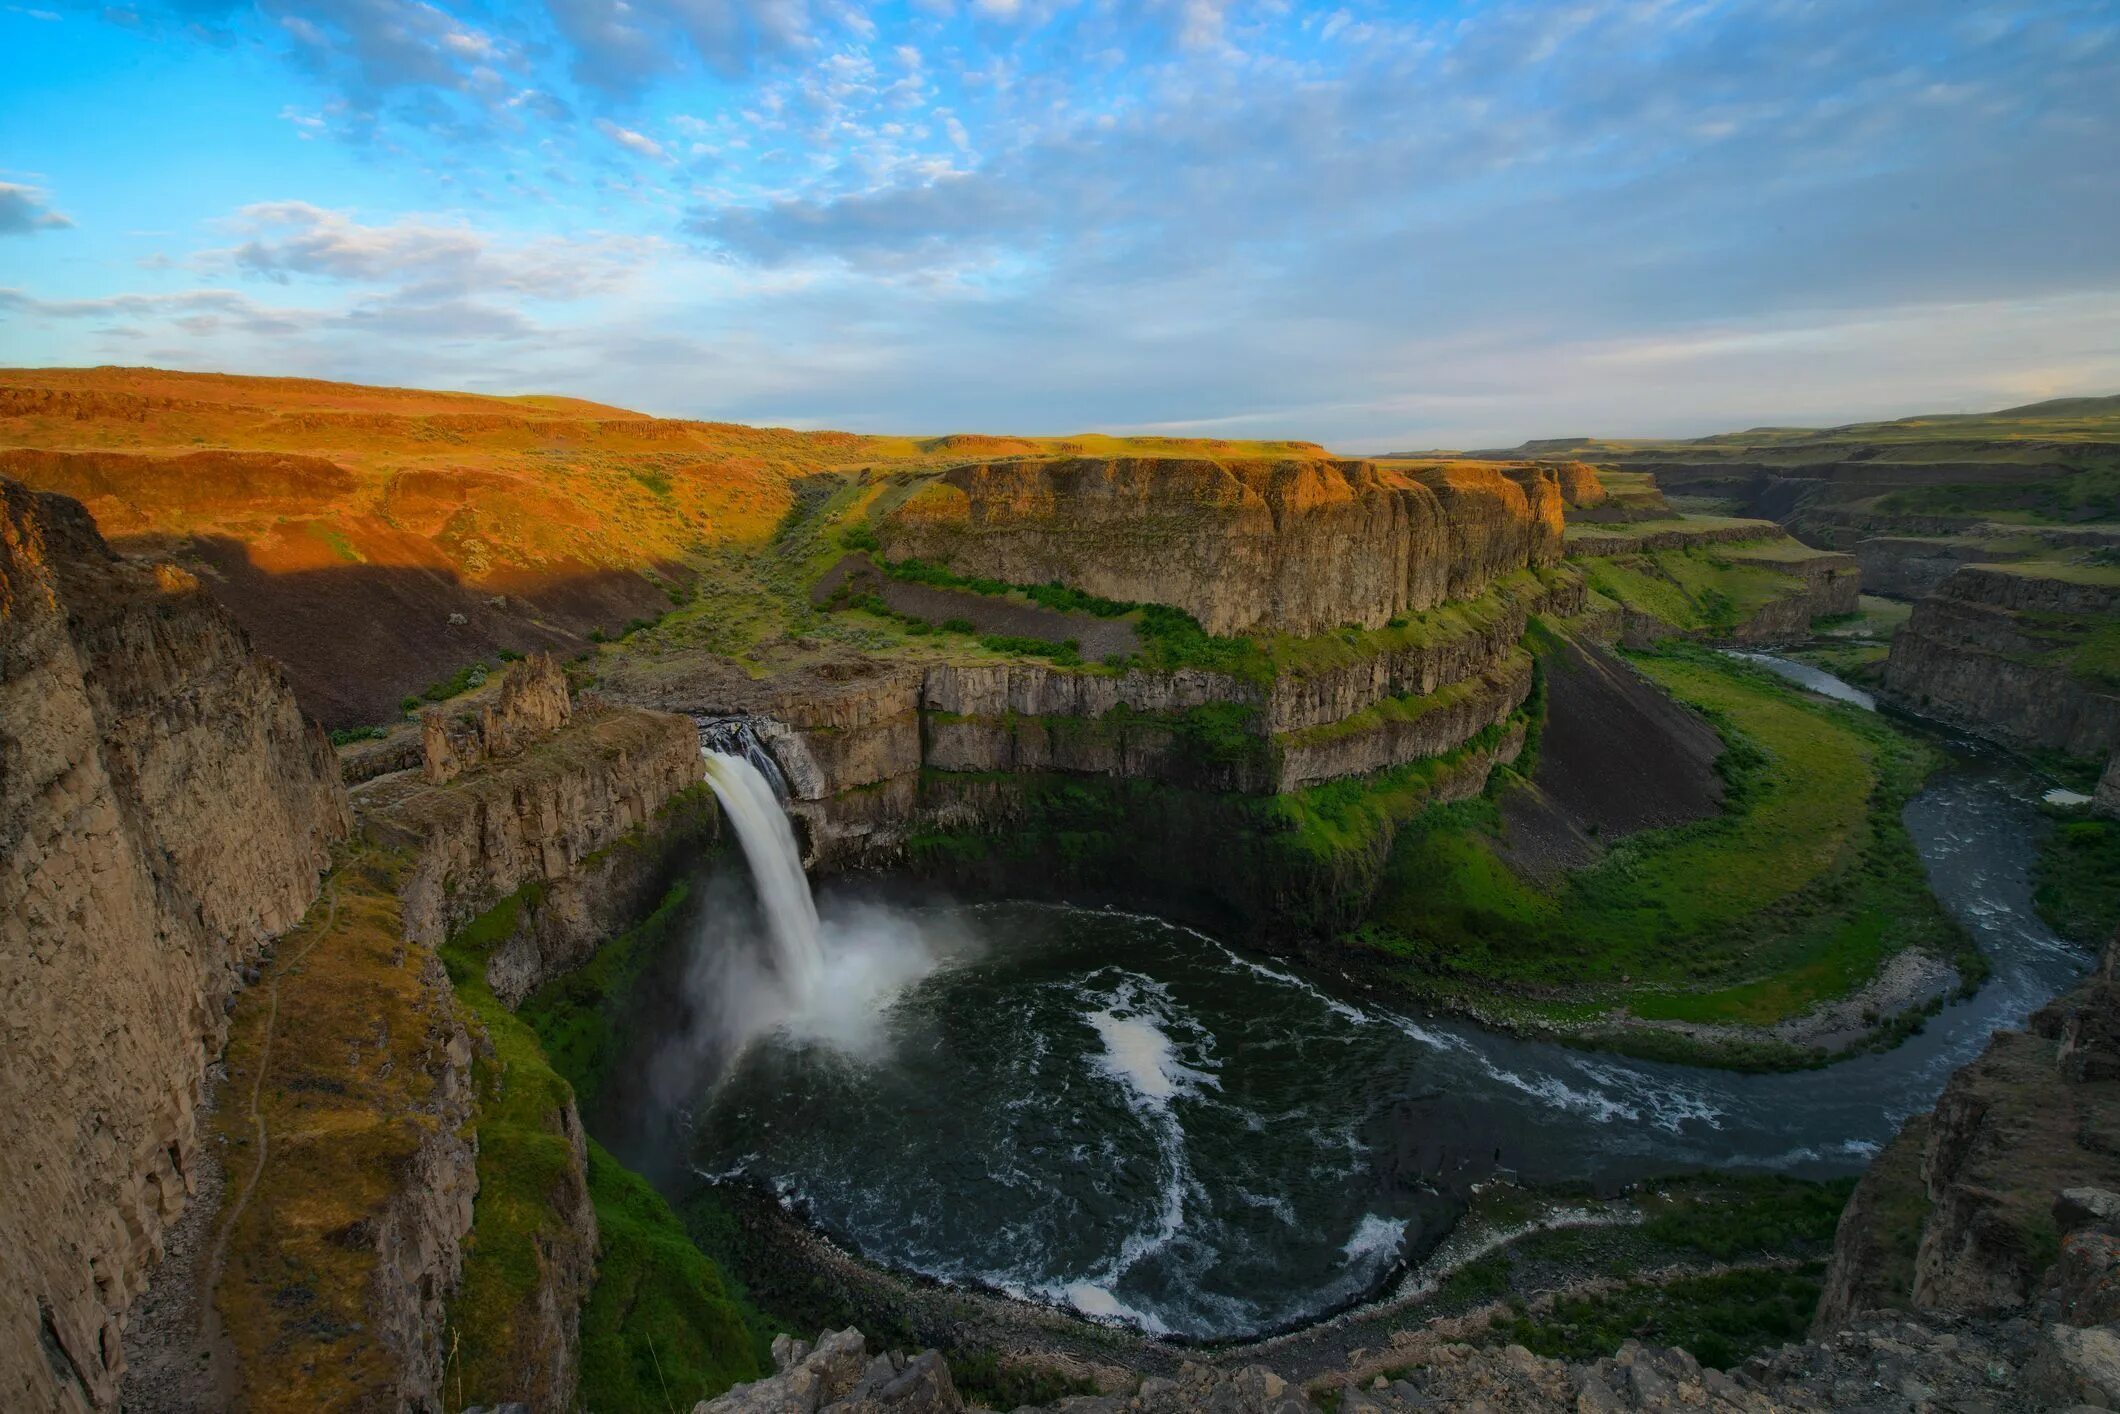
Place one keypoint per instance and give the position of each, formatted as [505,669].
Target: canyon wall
[1991,650]
[164,811]
[1298,546]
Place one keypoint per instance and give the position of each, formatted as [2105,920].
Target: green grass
[1722,1318]
[2085,646]
[1795,894]
[1389,710]
[1170,638]
[1499,605]
[659,1310]
[525,1167]
[1727,1218]
[1709,589]
[2077,879]
[579,1017]
[661,1329]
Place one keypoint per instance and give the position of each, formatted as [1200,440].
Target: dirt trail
[179,1360]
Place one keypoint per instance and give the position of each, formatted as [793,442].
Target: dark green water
[1109,1112]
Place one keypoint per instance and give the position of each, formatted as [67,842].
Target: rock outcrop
[2037,1114]
[165,810]
[1885,1364]
[533,703]
[1988,651]
[550,816]
[1298,546]
[2106,800]
[1580,485]
[838,1374]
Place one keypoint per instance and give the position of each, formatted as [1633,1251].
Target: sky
[1374,225]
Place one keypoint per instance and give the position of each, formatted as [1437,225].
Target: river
[1110,1112]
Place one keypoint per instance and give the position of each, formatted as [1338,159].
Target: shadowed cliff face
[164,810]
[2003,653]
[1299,546]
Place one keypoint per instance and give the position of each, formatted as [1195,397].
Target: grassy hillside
[2047,463]
[378,539]
[1795,894]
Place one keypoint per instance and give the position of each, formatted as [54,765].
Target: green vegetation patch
[1710,589]
[1795,894]
[579,1017]
[1723,1318]
[1170,638]
[2091,493]
[1305,862]
[2076,879]
[660,1328]
[2085,646]
[1499,608]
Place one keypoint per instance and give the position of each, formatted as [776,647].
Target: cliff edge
[165,810]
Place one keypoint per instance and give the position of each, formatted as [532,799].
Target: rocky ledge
[1886,1363]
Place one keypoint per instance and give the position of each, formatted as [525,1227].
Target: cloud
[632,141]
[431,258]
[372,50]
[1379,226]
[620,46]
[26,210]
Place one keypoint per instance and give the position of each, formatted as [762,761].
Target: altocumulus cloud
[1372,223]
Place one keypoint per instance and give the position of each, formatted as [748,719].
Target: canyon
[368,1001]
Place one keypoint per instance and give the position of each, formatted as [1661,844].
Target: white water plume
[824,978]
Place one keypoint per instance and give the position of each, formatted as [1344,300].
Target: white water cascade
[768,842]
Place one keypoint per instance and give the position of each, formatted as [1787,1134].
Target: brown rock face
[1296,546]
[1966,655]
[1579,484]
[2036,1115]
[533,703]
[545,816]
[164,810]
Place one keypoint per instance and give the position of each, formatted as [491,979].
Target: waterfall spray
[762,828]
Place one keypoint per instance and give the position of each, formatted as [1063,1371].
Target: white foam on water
[1099,1304]
[1559,1094]
[1374,1236]
[1139,1055]
[1670,1106]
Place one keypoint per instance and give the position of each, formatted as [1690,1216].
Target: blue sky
[1374,225]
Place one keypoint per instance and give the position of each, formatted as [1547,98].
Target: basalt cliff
[1293,546]
[2010,652]
[165,811]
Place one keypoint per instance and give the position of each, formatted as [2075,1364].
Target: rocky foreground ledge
[1887,1362]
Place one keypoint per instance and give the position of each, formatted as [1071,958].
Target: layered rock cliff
[551,817]
[1295,546]
[1996,650]
[164,811]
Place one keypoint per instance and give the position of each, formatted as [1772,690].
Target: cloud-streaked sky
[1375,225]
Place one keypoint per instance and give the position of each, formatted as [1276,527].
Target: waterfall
[753,806]
[739,736]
